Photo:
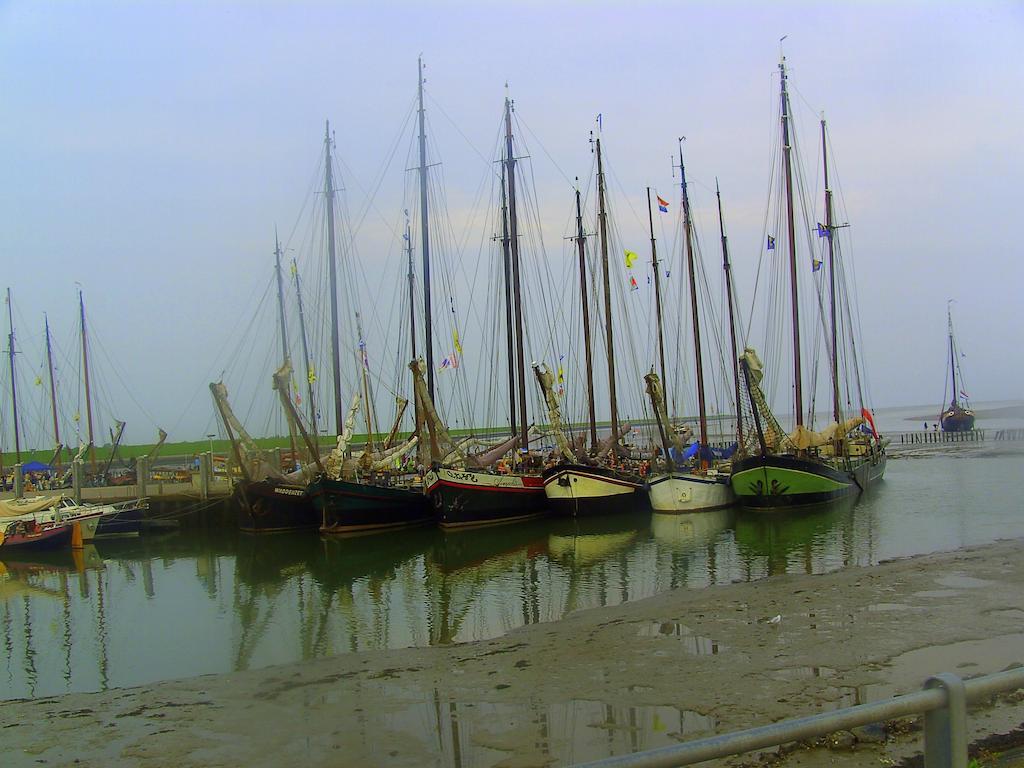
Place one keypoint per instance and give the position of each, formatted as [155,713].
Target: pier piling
[76,480]
[142,476]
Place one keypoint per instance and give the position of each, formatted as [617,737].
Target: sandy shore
[677,666]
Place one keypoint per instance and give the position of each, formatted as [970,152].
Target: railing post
[205,472]
[945,729]
[277,459]
[141,476]
[19,482]
[76,480]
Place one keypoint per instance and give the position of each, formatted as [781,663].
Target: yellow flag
[455,338]
[311,375]
[294,270]
[630,258]
[78,417]
[561,375]
[39,381]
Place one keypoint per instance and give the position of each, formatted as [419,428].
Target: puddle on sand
[695,645]
[959,581]
[884,607]
[938,593]
[423,727]
[968,658]
[802,673]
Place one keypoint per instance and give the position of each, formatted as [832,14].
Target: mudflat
[680,665]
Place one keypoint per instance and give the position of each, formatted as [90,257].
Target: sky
[150,149]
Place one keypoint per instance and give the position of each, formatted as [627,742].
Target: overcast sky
[149,149]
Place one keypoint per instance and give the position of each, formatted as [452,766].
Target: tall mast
[695,315]
[333,272]
[85,373]
[428,336]
[952,357]
[513,233]
[581,247]
[286,357]
[657,288]
[363,365]
[412,311]
[506,253]
[14,389]
[602,220]
[787,150]
[831,280]
[310,373]
[53,390]
[732,319]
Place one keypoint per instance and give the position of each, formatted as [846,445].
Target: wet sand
[599,681]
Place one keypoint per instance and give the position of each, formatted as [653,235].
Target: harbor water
[124,613]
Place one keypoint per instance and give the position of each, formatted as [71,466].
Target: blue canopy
[709,453]
[35,466]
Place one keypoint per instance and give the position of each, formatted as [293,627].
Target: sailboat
[784,470]
[467,489]
[956,418]
[595,481]
[267,500]
[704,485]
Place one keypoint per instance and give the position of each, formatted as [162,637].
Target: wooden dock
[203,485]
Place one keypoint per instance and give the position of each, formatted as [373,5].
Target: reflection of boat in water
[459,549]
[583,542]
[805,535]
[341,560]
[262,560]
[690,529]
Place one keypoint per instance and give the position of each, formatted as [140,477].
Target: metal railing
[943,701]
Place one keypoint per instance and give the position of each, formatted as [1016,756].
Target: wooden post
[205,473]
[76,480]
[141,476]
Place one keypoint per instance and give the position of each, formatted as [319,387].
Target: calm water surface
[158,608]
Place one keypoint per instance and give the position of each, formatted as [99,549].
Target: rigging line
[372,195]
[113,366]
[455,125]
[218,356]
[526,127]
[622,190]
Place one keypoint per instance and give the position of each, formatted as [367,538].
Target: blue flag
[771,243]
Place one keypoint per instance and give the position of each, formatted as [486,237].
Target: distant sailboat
[957,417]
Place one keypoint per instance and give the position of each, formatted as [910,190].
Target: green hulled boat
[776,469]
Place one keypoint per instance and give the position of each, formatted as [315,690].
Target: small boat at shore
[95,521]
[29,534]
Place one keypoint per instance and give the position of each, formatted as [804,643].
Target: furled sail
[670,436]
[427,414]
[546,380]
[251,456]
[774,436]
[490,458]
[334,464]
[804,438]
